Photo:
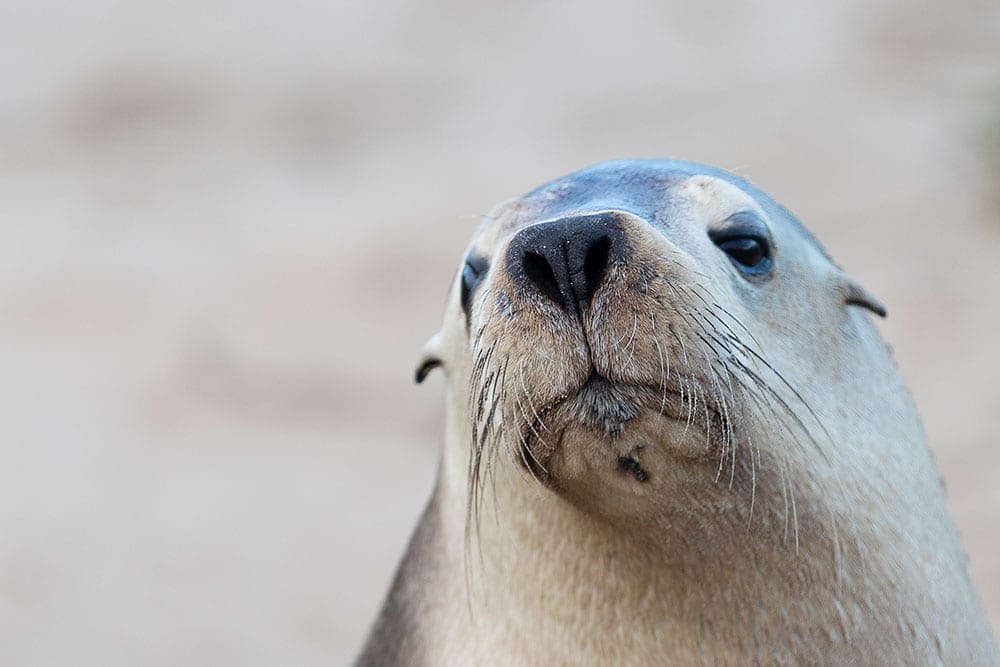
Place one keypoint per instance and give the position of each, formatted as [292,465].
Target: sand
[229,228]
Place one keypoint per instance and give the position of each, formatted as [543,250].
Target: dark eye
[749,253]
[472,274]
[746,238]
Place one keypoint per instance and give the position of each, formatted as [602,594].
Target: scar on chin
[631,465]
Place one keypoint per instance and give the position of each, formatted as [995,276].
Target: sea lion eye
[745,238]
[472,274]
[747,252]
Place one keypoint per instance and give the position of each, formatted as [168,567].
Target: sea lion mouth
[606,406]
[603,410]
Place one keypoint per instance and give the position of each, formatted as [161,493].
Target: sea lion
[674,436]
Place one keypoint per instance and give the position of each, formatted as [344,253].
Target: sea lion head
[648,339]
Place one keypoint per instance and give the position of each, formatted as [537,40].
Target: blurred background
[229,227]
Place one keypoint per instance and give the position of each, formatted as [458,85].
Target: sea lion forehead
[643,187]
[715,199]
[653,189]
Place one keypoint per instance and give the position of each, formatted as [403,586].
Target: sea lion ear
[430,358]
[856,295]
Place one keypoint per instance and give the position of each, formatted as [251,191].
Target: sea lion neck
[538,566]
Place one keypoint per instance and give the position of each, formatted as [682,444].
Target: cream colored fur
[849,555]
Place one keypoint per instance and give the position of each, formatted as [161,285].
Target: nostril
[539,271]
[567,260]
[596,264]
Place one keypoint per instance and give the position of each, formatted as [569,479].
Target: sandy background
[228,229]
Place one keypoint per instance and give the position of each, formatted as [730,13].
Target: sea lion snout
[567,259]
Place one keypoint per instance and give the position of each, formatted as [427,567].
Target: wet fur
[396,638]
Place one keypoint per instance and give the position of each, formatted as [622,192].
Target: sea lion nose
[567,259]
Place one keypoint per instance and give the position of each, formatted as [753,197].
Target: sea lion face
[606,330]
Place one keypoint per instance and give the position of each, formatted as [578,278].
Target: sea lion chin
[673,435]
